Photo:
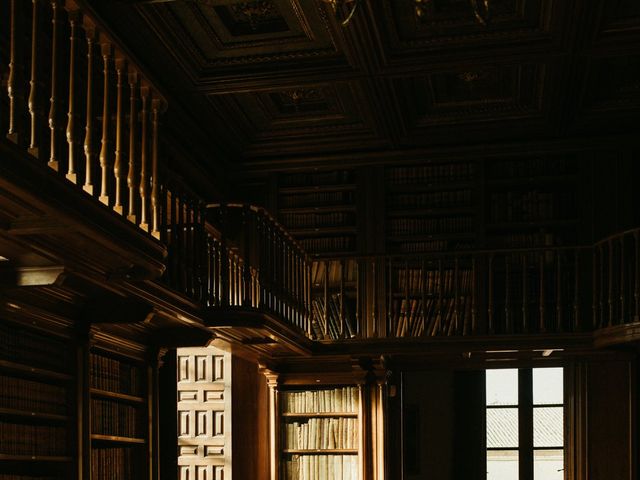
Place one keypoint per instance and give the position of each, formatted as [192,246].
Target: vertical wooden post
[88,137]
[53,101]
[117,164]
[14,82]
[133,122]
[34,147]
[144,199]
[541,324]
[74,17]
[106,116]
[155,111]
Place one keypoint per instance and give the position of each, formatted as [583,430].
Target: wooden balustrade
[57,47]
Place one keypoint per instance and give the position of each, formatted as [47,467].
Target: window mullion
[525,423]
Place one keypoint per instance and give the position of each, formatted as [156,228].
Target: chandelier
[480,9]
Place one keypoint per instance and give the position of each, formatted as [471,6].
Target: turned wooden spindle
[155,185]
[15,90]
[610,296]
[508,320]
[576,294]
[53,100]
[106,116]
[636,283]
[34,147]
[541,300]
[144,147]
[133,122]
[559,306]
[621,315]
[88,129]
[525,299]
[117,164]
[74,18]
[490,326]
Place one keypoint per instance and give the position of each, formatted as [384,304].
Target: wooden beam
[12,276]
[38,225]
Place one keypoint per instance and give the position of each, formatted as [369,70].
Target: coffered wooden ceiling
[274,79]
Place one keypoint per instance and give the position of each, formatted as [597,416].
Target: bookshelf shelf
[25,414]
[441,236]
[34,371]
[320,415]
[116,439]
[428,187]
[336,451]
[558,224]
[96,392]
[324,209]
[431,211]
[318,188]
[34,458]
[539,180]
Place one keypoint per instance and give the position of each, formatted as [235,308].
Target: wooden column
[274,427]
[155,186]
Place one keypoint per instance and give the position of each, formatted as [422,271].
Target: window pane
[502,465]
[502,387]
[548,427]
[547,386]
[502,428]
[548,465]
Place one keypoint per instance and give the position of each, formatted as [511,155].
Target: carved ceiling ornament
[255,13]
[481,9]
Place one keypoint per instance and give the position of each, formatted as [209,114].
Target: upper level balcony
[95,212]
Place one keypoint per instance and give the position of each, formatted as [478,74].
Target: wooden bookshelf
[319,209]
[431,207]
[320,433]
[118,415]
[532,202]
[37,430]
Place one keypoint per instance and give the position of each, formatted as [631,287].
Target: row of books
[321,467]
[115,418]
[531,167]
[420,247]
[438,173]
[340,319]
[32,348]
[341,400]
[316,178]
[35,440]
[312,220]
[10,476]
[439,199]
[336,270]
[434,316]
[524,240]
[116,463]
[316,199]
[115,375]
[531,206]
[415,281]
[32,396]
[328,244]
[322,434]
[430,226]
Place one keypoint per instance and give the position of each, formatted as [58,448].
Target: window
[525,424]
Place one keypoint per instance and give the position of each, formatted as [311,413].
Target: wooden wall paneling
[611,428]
[204,414]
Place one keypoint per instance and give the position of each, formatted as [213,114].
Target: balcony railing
[77,102]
